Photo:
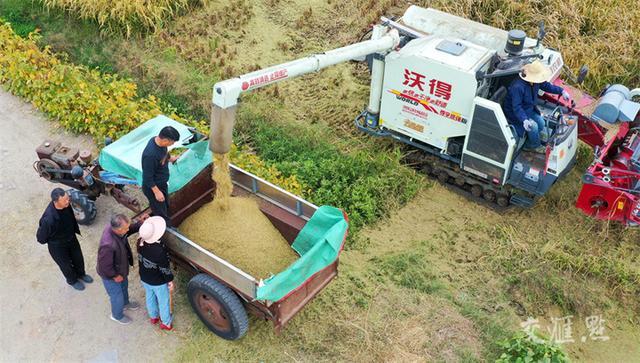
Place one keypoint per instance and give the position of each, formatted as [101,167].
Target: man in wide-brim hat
[520,103]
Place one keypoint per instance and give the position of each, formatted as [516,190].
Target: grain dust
[242,235]
[222,178]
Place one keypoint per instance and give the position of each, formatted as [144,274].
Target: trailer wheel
[83,208]
[218,307]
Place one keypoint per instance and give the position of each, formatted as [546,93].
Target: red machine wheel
[218,307]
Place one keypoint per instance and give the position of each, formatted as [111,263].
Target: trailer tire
[83,208]
[218,307]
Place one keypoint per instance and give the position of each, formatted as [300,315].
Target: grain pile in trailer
[242,235]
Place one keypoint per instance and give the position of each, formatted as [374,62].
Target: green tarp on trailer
[318,244]
[124,156]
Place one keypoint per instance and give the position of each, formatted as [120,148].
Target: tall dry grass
[601,34]
[124,16]
[604,34]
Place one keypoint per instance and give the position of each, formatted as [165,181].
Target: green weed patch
[367,186]
[408,269]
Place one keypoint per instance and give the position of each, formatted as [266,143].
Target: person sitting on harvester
[520,103]
[155,171]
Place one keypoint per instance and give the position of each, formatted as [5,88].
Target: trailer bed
[287,212]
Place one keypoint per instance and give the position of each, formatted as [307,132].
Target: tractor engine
[74,168]
[63,164]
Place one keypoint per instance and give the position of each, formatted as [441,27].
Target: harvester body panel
[428,92]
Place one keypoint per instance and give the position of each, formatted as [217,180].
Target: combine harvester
[437,84]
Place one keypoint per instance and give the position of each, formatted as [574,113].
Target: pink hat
[152,229]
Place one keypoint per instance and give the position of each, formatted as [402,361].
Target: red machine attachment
[611,184]
[611,189]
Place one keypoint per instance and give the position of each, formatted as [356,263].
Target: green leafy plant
[524,348]
[365,185]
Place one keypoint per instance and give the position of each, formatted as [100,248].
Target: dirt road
[43,318]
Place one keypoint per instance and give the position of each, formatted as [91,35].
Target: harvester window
[453,48]
[486,137]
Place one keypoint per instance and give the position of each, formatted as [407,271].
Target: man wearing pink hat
[155,272]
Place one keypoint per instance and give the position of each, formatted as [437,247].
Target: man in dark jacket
[114,259]
[520,103]
[155,171]
[57,229]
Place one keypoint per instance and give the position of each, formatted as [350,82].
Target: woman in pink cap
[155,272]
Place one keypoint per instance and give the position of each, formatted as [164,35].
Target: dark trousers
[68,256]
[158,208]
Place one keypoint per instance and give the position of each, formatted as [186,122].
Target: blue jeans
[158,302]
[118,295]
[533,136]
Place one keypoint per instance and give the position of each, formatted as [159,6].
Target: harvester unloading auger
[227,93]
[437,84]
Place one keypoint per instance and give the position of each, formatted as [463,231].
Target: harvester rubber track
[465,184]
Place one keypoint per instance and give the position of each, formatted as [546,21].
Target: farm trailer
[219,292]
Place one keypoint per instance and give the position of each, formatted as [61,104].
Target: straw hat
[535,72]
[152,229]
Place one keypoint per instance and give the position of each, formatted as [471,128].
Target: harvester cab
[442,93]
